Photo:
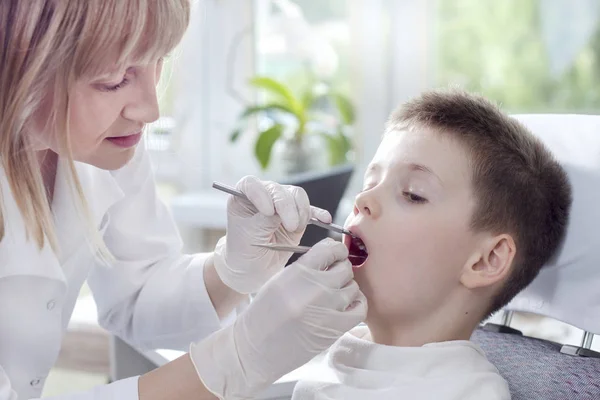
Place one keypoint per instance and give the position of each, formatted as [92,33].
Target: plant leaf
[266,108]
[345,141]
[308,98]
[235,135]
[345,108]
[252,110]
[278,89]
[337,153]
[265,142]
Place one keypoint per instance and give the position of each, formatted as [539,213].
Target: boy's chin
[361,277]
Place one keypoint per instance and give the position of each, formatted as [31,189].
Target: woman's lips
[126,141]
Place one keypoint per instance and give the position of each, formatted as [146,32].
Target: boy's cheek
[384,290]
[349,219]
[367,280]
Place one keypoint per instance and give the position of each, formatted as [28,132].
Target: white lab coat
[153,296]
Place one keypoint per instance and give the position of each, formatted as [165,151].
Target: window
[302,37]
[165,88]
[161,131]
[528,55]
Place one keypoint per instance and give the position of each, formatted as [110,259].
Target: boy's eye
[413,198]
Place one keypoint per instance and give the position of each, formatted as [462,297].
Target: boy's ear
[491,263]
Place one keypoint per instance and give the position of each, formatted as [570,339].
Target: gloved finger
[342,321]
[337,276]
[358,307]
[345,296]
[320,214]
[285,206]
[302,205]
[262,228]
[258,194]
[324,254]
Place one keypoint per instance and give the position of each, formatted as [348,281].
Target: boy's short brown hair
[519,186]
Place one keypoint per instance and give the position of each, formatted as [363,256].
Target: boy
[461,207]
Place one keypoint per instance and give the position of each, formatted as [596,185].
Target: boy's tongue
[358,252]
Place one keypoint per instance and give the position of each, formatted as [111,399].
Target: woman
[77,86]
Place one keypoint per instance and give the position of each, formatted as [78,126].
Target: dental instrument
[298,249]
[312,221]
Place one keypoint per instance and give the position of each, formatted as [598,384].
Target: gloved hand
[298,314]
[278,214]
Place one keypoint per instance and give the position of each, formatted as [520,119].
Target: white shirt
[361,369]
[153,296]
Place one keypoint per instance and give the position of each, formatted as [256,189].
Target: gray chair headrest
[568,287]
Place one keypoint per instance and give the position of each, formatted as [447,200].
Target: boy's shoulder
[360,331]
[445,370]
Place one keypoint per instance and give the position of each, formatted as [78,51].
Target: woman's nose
[144,107]
[367,204]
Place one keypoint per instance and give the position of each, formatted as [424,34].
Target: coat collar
[101,191]
[19,256]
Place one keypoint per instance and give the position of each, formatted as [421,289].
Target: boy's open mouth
[357,251]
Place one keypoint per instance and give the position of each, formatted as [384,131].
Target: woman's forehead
[137,36]
[115,61]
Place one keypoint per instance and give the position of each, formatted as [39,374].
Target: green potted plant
[289,119]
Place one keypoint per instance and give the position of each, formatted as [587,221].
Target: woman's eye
[413,198]
[114,88]
[125,80]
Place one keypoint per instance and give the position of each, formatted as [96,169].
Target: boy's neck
[443,325]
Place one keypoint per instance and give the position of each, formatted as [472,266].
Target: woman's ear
[491,263]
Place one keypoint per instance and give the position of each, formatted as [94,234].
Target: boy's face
[413,216]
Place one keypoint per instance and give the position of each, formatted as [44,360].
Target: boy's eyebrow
[420,167]
[371,169]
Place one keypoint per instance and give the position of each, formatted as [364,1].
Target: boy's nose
[367,205]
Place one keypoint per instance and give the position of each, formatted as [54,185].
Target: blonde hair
[47,46]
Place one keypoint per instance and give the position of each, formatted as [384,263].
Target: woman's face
[107,115]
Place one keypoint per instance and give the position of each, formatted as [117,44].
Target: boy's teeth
[358,252]
[360,244]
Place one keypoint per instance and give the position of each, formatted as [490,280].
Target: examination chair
[325,190]
[568,287]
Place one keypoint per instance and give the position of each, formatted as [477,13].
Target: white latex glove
[278,214]
[298,314]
